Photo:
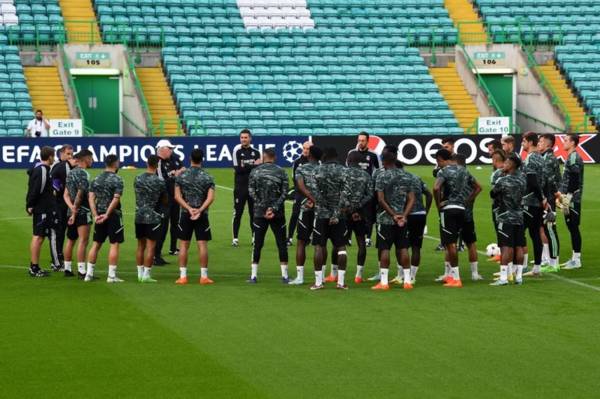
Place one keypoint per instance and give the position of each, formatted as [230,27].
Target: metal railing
[161,129]
[140,92]
[135,125]
[66,64]
[541,122]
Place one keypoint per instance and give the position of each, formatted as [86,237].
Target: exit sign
[490,58]
[93,60]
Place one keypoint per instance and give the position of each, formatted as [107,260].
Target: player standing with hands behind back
[245,158]
[194,192]
[268,186]
[150,194]
[105,203]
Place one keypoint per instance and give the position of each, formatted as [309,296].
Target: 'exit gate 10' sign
[489,59]
[92,60]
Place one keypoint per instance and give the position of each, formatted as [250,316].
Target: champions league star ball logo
[292,150]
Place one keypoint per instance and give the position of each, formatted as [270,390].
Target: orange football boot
[182,281]
[380,287]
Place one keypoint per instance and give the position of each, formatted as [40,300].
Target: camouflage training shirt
[572,181]
[395,184]
[455,184]
[469,187]
[268,188]
[194,184]
[357,189]
[419,188]
[79,179]
[551,174]
[330,182]
[307,172]
[498,173]
[509,191]
[533,165]
[105,186]
[148,190]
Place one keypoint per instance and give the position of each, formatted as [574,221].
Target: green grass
[64,338]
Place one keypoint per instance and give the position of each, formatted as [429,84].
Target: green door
[501,87]
[99,99]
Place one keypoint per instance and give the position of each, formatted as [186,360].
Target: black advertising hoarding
[420,150]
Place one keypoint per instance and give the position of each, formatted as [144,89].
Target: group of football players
[334,203]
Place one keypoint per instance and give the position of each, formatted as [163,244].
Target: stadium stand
[455,94]
[581,66]
[541,21]
[76,12]
[15,102]
[38,21]
[354,70]
[46,91]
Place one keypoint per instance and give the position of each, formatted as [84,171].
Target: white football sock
[68,266]
[81,267]
[576,256]
[536,269]
[204,272]
[90,269]
[384,276]
[284,271]
[447,269]
[182,271]
[300,273]
[147,272]
[112,271]
[504,273]
[359,270]
[474,268]
[407,278]
[254,272]
[519,275]
[319,278]
[455,273]
[340,277]
[525,260]
[140,270]
[413,272]
[545,251]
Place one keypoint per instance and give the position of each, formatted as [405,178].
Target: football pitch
[66,338]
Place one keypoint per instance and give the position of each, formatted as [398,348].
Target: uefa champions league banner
[24,152]
[420,150]
[412,150]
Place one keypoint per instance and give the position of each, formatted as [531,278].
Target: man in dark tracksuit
[552,181]
[368,161]
[41,205]
[298,197]
[169,167]
[245,158]
[59,174]
[268,187]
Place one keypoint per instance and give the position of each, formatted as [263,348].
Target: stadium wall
[19,153]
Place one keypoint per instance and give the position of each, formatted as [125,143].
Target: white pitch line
[553,275]
[575,282]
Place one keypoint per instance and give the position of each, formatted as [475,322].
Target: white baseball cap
[164,143]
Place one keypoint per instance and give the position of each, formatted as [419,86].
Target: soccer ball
[492,250]
[292,150]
